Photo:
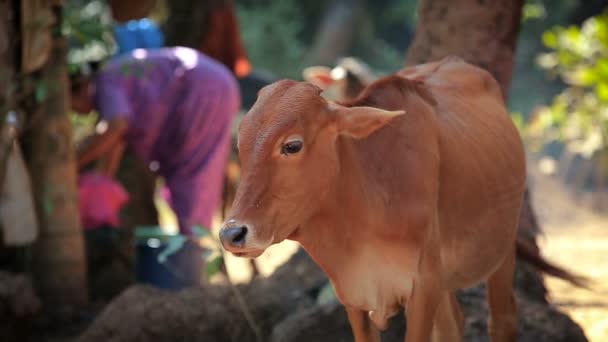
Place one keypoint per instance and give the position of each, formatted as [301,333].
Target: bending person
[172,107]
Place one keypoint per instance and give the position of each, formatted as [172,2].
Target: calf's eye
[291,147]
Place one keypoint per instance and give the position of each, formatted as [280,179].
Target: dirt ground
[577,238]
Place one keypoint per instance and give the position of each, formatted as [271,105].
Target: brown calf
[403,196]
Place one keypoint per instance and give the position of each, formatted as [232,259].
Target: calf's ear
[359,122]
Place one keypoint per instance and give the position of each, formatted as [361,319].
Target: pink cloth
[100,200]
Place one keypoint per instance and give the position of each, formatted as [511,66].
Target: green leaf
[139,72]
[125,69]
[41,92]
[199,231]
[148,232]
[174,245]
[533,11]
[547,60]
[326,295]
[602,68]
[550,39]
[519,121]
[48,206]
[600,25]
[214,265]
[585,77]
[572,34]
[601,90]
[73,68]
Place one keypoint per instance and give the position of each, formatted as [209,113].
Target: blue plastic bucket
[179,270]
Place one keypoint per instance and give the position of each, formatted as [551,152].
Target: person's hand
[110,163]
[105,141]
[84,144]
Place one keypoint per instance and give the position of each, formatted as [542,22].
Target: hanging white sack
[17,214]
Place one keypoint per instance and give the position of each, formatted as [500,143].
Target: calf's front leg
[362,326]
[426,295]
[449,320]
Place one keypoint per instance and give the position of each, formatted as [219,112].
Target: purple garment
[180,105]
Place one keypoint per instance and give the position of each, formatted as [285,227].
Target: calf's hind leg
[502,326]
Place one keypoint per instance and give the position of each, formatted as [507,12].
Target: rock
[17,297]
[144,313]
[210,313]
[320,323]
[18,304]
[538,322]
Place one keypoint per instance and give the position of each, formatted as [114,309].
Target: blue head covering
[137,34]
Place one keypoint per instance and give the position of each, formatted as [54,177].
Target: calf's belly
[469,261]
[480,198]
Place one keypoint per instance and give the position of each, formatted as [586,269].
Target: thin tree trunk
[484,33]
[7,67]
[185,25]
[337,31]
[58,255]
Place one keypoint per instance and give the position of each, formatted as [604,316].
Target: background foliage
[573,63]
[272,36]
[88,27]
[578,116]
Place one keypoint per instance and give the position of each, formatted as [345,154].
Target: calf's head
[290,162]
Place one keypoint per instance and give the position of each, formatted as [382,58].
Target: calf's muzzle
[233,236]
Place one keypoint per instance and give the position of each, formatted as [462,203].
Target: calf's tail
[530,254]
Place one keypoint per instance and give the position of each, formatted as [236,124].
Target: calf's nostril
[239,235]
[234,236]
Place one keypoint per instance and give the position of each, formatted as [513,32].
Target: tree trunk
[125,10]
[337,31]
[185,25]
[484,33]
[7,68]
[58,256]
